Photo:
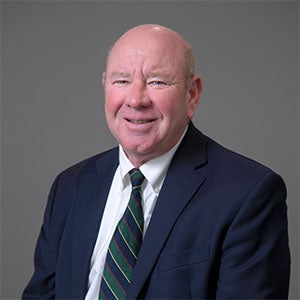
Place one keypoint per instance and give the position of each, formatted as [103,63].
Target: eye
[157,83]
[120,82]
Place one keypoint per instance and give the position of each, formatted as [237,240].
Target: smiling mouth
[139,121]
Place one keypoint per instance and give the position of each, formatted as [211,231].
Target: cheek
[167,102]
[174,108]
[112,103]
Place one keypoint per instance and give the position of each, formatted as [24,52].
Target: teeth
[139,121]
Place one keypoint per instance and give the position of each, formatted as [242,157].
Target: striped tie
[125,245]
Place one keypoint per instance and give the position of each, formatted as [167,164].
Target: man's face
[147,101]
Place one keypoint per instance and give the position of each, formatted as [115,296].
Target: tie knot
[137,178]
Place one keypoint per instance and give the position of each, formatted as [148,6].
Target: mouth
[139,121]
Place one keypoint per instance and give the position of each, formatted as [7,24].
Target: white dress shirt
[154,171]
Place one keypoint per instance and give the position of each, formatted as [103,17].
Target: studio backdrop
[52,57]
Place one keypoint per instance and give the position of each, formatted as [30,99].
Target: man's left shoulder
[238,170]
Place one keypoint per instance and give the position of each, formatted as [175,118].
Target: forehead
[155,49]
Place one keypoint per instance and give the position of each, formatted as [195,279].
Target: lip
[140,125]
[139,121]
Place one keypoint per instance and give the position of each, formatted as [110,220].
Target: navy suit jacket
[219,229]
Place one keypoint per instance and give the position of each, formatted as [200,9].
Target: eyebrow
[160,74]
[150,74]
[119,74]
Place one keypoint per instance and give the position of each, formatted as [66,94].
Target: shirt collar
[154,170]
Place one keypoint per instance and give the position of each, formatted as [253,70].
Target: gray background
[53,54]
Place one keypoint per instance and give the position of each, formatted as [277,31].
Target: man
[214,223]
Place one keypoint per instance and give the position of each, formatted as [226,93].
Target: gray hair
[189,63]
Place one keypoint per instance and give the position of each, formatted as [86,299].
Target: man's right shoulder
[104,160]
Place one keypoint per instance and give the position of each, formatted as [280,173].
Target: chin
[138,149]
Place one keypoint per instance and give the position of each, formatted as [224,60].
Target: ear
[103,78]
[194,91]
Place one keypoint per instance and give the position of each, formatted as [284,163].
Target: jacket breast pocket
[183,258]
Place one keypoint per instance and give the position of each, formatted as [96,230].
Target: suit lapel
[183,179]
[91,198]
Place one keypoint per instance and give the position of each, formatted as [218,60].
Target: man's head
[151,91]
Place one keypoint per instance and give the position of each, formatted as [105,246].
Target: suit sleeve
[255,261]
[42,282]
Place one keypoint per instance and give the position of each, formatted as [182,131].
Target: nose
[138,96]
